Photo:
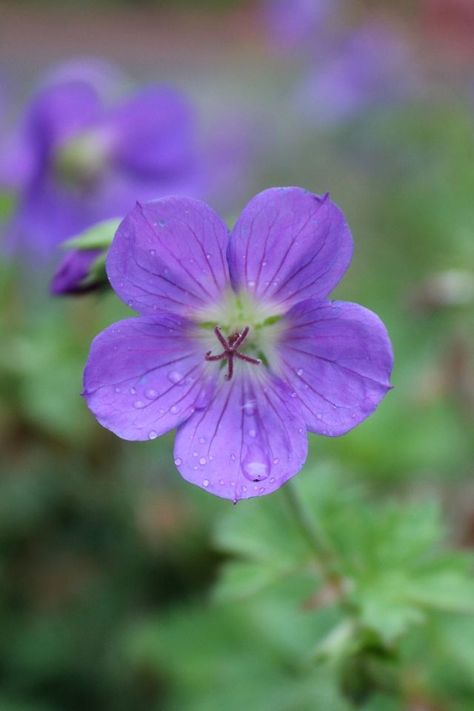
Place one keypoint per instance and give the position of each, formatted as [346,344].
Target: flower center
[231,346]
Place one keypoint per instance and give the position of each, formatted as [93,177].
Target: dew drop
[221,482]
[208,256]
[152,434]
[251,284]
[249,407]
[272,480]
[150,393]
[300,372]
[276,460]
[162,223]
[232,456]
[174,410]
[202,461]
[205,482]
[130,302]
[117,390]
[178,461]
[202,440]
[175,377]
[133,391]
[252,433]
[138,404]
[152,252]
[195,454]
[293,394]
[255,464]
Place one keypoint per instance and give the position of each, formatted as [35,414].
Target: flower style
[79,158]
[236,344]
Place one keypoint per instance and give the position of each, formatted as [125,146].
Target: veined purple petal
[337,357]
[249,440]
[169,255]
[145,376]
[289,245]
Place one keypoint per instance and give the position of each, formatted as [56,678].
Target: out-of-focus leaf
[99,236]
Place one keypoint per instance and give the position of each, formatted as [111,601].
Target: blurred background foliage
[122,587]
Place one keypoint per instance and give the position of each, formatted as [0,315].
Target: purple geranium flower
[236,344]
[78,160]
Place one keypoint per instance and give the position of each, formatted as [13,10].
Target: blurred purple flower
[236,343]
[294,23]
[370,67]
[72,271]
[77,160]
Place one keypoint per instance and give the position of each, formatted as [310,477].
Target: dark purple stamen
[230,346]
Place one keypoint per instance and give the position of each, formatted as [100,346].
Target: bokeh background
[108,559]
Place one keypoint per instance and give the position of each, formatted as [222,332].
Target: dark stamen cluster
[231,346]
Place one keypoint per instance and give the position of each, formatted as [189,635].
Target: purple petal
[337,357]
[145,376]
[248,442]
[289,245]
[154,134]
[169,255]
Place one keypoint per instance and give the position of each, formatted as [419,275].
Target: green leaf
[99,236]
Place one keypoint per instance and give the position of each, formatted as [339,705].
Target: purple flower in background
[72,272]
[370,67]
[78,160]
[236,344]
[293,23]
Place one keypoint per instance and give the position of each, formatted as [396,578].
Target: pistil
[231,346]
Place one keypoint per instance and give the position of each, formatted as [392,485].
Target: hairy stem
[315,537]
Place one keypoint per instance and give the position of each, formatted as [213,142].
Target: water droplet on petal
[202,461]
[300,372]
[178,461]
[205,482]
[202,440]
[195,454]
[251,284]
[255,464]
[221,482]
[130,302]
[249,407]
[133,391]
[252,433]
[117,390]
[174,410]
[233,457]
[152,434]
[150,393]
[175,377]
[138,404]
[152,252]
[276,460]
[162,223]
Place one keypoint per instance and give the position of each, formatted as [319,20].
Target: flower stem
[315,537]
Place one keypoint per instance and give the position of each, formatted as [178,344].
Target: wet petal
[289,245]
[169,255]
[248,442]
[145,376]
[337,357]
